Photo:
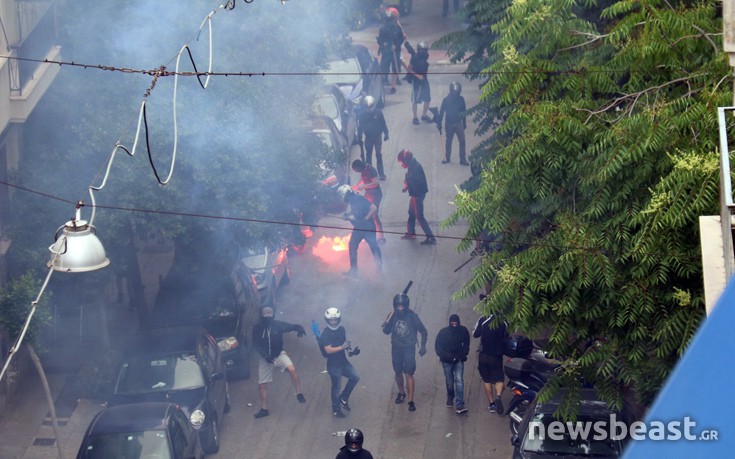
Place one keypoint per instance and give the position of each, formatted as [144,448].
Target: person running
[333,343]
[361,217]
[415,184]
[268,342]
[370,187]
[404,325]
[452,346]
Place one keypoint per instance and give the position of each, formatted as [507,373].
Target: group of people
[407,332]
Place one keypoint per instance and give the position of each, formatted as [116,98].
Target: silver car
[270,268]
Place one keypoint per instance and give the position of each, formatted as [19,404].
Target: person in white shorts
[268,342]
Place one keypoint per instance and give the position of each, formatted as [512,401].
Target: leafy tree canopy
[602,157]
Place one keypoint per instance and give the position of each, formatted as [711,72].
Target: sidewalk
[26,431]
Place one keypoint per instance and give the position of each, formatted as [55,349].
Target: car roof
[590,404]
[134,417]
[167,340]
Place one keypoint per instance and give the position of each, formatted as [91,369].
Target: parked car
[334,163]
[332,103]
[139,431]
[354,76]
[227,306]
[181,365]
[542,444]
[271,269]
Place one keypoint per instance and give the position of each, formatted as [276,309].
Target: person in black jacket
[390,39]
[268,342]
[493,335]
[361,217]
[333,343]
[454,108]
[403,325]
[415,184]
[417,71]
[452,346]
[371,123]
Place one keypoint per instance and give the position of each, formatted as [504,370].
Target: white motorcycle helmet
[343,191]
[333,318]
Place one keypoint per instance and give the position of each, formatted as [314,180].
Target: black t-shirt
[334,338]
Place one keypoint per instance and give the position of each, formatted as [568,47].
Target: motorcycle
[526,377]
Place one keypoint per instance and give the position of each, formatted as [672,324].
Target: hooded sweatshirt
[452,343]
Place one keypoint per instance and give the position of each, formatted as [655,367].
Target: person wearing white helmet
[361,217]
[371,123]
[333,344]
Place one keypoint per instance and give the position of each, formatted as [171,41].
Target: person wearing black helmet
[333,343]
[417,70]
[361,217]
[353,446]
[416,186]
[268,342]
[390,38]
[454,108]
[371,123]
[404,325]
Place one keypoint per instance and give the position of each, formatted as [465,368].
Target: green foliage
[16,304]
[595,178]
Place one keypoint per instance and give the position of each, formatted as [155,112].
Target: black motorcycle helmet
[455,88]
[402,299]
[354,437]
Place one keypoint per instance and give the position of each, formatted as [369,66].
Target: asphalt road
[432,431]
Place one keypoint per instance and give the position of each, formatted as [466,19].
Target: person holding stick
[404,325]
[417,69]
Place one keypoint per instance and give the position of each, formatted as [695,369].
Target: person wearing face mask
[353,446]
[333,343]
[404,325]
[452,346]
[268,342]
[415,184]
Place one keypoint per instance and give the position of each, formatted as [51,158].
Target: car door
[216,389]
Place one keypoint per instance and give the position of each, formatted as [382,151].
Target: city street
[432,431]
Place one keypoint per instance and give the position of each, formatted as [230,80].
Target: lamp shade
[77,249]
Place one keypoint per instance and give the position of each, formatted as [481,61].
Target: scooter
[526,378]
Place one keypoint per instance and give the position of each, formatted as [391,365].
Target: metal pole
[728,23]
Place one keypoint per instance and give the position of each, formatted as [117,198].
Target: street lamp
[76,249]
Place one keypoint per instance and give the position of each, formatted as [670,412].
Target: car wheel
[228,405]
[520,410]
[211,443]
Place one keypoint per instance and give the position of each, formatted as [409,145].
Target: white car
[270,268]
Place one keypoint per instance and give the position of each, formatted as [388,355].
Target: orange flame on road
[331,251]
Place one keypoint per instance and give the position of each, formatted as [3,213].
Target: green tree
[242,151]
[594,179]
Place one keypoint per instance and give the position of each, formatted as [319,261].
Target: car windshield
[159,374]
[325,105]
[197,299]
[572,441]
[345,71]
[134,445]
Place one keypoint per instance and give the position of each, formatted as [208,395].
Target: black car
[181,365]
[140,430]
[537,439]
[225,305]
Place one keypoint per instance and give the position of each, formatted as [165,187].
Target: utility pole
[728,22]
